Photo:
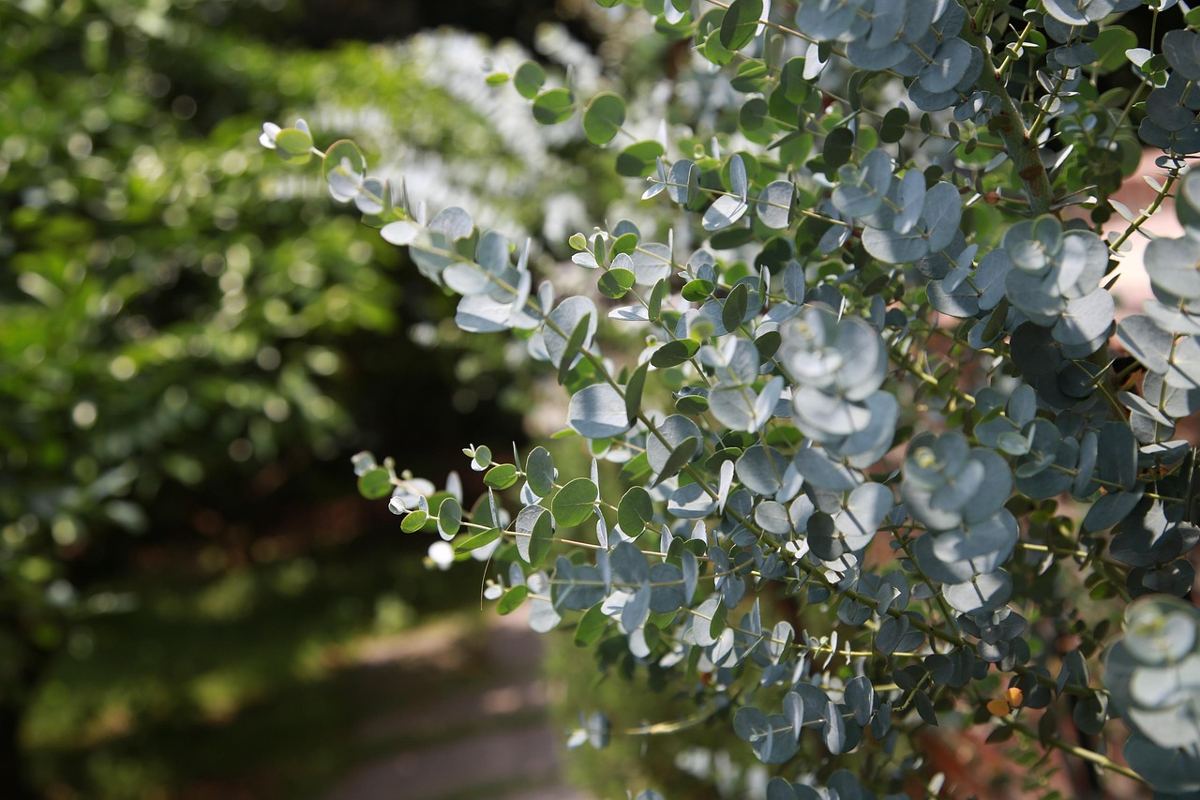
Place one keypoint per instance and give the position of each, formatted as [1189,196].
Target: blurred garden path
[481,730]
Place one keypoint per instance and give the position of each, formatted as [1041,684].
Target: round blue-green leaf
[690,502]
[603,118]
[575,502]
[543,618]
[344,166]
[539,471]
[772,517]
[827,21]
[823,472]
[454,222]
[761,469]
[982,593]
[734,407]
[667,590]
[1171,770]
[995,535]
[864,512]
[1110,509]
[1071,12]
[553,106]
[1172,265]
[770,737]
[894,248]
[950,63]
[823,415]
[449,518]
[1183,372]
[401,233]
[637,609]
[942,214]
[1182,49]
[993,492]
[629,565]
[597,412]
[374,198]
[779,789]
[564,322]
[528,79]
[775,204]
[794,282]
[1145,341]
[860,697]
[684,181]
[863,196]
[1085,319]
[949,572]
[833,731]
[725,211]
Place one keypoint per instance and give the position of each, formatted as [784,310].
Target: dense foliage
[872,380]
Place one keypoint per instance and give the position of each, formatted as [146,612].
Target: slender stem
[1104,762]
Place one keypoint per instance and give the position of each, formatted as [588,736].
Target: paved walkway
[491,740]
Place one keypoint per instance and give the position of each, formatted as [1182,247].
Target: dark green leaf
[501,476]
[733,310]
[635,511]
[633,392]
[639,159]
[553,106]
[539,471]
[375,483]
[740,23]
[674,353]
[575,502]
[414,521]
[574,344]
[591,626]
[697,291]
[477,540]
[540,539]
[603,118]
[616,282]
[449,516]
[529,78]
[512,599]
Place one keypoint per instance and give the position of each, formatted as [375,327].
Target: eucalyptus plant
[882,445]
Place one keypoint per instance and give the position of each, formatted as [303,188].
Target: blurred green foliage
[186,326]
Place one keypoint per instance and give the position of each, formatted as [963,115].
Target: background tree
[189,338]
